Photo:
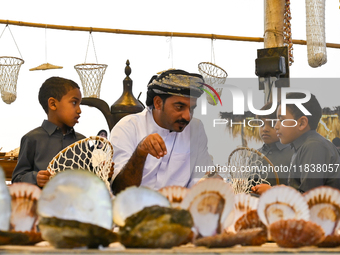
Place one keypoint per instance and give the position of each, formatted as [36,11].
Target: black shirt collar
[296,144]
[51,128]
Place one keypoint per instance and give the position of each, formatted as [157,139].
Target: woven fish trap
[213,75]
[91,76]
[315,32]
[9,71]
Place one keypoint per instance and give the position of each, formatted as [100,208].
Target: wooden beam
[150,33]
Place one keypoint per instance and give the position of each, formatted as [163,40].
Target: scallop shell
[5,203]
[324,206]
[77,195]
[282,202]
[133,200]
[243,204]
[249,220]
[244,237]
[210,202]
[24,206]
[330,241]
[294,233]
[174,194]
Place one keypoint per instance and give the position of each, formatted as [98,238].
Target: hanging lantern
[315,32]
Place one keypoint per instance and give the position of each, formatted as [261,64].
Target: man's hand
[43,177]
[261,188]
[152,144]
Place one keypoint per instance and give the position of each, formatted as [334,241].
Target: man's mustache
[182,121]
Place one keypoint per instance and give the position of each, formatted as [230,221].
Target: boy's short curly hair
[312,106]
[55,87]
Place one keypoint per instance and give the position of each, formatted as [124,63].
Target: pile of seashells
[75,209]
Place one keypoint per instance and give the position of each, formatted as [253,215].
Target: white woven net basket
[93,154]
[91,76]
[246,169]
[315,32]
[213,75]
[9,71]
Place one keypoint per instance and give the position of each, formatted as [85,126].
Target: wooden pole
[273,36]
[150,33]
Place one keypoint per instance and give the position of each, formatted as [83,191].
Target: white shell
[243,203]
[134,199]
[24,206]
[203,199]
[324,206]
[281,203]
[77,195]
[5,203]
[174,194]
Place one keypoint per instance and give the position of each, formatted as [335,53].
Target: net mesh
[213,75]
[315,32]
[9,71]
[93,154]
[91,76]
[246,169]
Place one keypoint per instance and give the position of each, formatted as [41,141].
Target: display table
[267,248]
[8,164]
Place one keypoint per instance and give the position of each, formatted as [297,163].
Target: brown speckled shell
[248,221]
[296,233]
[253,237]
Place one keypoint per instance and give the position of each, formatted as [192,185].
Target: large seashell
[24,206]
[20,238]
[249,220]
[210,202]
[5,203]
[157,227]
[77,195]
[324,206]
[244,237]
[294,233]
[133,200]
[174,194]
[74,234]
[330,241]
[243,203]
[282,202]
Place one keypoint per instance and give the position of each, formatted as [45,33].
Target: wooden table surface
[268,248]
[8,164]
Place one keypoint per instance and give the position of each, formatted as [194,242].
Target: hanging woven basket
[91,76]
[9,71]
[213,75]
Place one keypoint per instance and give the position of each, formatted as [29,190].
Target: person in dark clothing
[60,99]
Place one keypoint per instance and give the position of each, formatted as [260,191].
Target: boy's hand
[43,177]
[261,188]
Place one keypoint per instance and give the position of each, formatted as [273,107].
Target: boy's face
[68,109]
[268,133]
[286,128]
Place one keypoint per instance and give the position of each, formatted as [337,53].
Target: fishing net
[213,75]
[93,154]
[9,71]
[315,32]
[248,167]
[91,76]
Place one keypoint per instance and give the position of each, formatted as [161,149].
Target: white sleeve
[200,156]
[123,140]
